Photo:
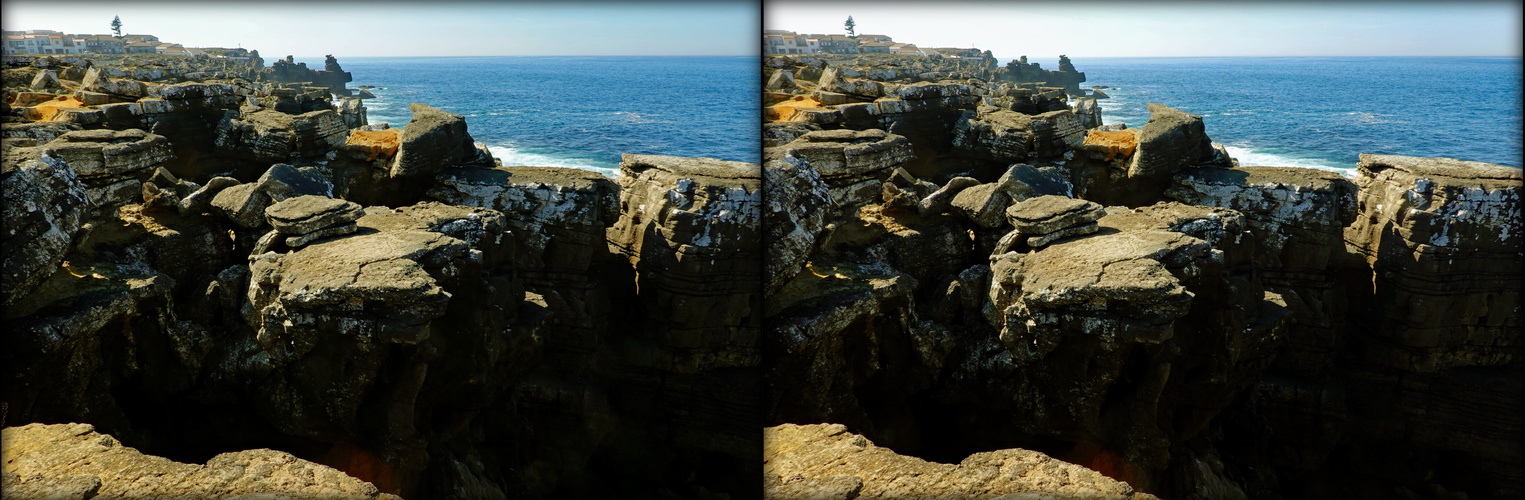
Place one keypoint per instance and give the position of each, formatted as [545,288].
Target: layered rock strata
[74,461]
[826,461]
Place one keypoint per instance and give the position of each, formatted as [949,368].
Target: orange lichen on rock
[785,111]
[48,110]
[381,143]
[1117,144]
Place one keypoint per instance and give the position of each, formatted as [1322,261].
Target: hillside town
[50,42]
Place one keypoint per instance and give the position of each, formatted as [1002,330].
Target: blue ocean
[580,112]
[1322,112]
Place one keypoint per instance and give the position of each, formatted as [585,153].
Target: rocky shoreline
[203,258]
[945,280]
[960,264]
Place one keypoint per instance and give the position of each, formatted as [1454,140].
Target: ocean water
[581,112]
[1322,112]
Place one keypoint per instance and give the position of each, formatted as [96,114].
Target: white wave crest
[1252,158]
[512,156]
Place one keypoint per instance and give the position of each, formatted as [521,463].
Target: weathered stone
[1172,140]
[44,209]
[432,141]
[1076,230]
[781,81]
[45,80]
[109,154]
[825,461]
[200,200]
[1088,112]
[74,461]
[284,181]
[153,197]
[305,214]
[798,205]
[96,81]
[272,136]
[1046,214]
[833,81]
[1443,238]
[558,215]
[690,227]
[299,241]
[852,163]
[1110,146]
[243,204]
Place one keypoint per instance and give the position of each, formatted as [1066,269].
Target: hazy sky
[390,28]
[1043,30]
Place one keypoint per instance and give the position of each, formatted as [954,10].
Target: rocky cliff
[210,266]
[1131,300]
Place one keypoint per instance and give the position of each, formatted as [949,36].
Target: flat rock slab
[1047,214]
[309,213]
[74,461]
[826,461]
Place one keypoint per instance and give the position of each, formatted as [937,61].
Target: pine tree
[116,26]
[850,25]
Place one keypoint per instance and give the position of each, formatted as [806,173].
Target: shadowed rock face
[46,208]
[73,461]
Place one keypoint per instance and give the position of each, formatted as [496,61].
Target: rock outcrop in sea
[1124,298]
[210,261]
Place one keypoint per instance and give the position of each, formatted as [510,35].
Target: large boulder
[1172,140]
[270,136]
[433,140]
[852,163]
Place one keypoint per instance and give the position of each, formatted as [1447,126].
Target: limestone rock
[284,181]
[781,81]
[308,213]
[986,204]
[97,155]
[1172,140]
[243,204]
[558,215]
[201,199]
[74,461]
[1046,214]
[1003,136]
[433,140]
[45,80]
[832,80]
[798,205]
[271,136]
[852,163]
[942,199]
[1297,217]
[826,461]
[1443,237]
[44,209]
[1088,112]
[690,226]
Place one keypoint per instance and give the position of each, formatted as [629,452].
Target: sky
[1044,30]
[394,28]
